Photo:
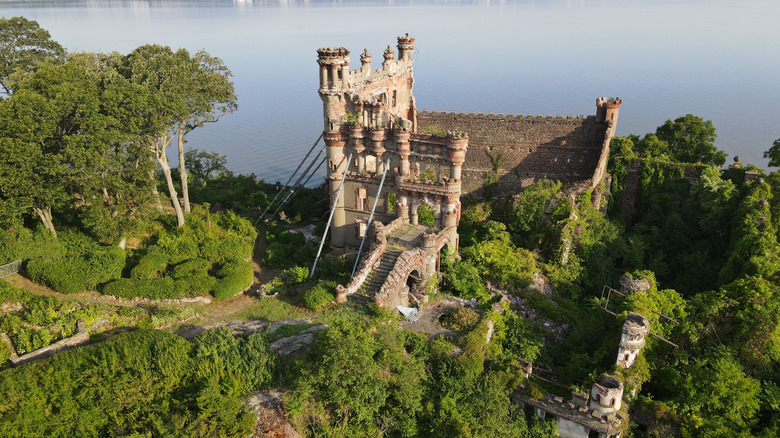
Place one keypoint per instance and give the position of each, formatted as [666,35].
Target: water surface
[716,59]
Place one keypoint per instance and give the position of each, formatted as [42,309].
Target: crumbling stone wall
[524,148]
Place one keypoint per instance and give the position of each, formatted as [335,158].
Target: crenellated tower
[607,396]
[632,339]
[370,116]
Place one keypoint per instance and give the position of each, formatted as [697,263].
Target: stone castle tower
[607,396]
[370,122]
[632,339]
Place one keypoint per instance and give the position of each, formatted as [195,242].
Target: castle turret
[389,57]
[334,74]
[405,47]
[632,339]
[607,110]
[607,396]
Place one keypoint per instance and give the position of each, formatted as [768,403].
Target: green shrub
[154,288]
[461,320]
[196,267]
[319,295]
[65,275]
[5,354]
[194,286]
[235,276]
[21,243]
[128,386]
[105,265]
[150,265]
[294,276]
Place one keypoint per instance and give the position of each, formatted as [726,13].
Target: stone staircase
[377,277]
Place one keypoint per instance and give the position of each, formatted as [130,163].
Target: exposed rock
[542,285]
[272,419]
[292,344]
[8,307]
[629,285]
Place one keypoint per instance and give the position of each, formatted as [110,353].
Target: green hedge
[23,244]
[73,274]
[154,288]
[196,267]
[150,265]
[236,275]
[320,294]
[144,383]
[195,286]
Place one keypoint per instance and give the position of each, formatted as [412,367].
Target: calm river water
[664,58]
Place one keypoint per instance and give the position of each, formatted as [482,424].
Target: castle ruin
[375,136]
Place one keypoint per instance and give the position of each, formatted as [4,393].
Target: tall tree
[190,91]
[24,47]
[691,139]
[773,154]
[110,163]
[36,122]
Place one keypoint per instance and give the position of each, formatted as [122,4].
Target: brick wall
[529,147]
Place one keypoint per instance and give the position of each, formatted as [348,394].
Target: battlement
[492,116]
[521,148]
[367,97]
[328,55]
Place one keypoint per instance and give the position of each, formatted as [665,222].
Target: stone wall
[524,148]
[80,338]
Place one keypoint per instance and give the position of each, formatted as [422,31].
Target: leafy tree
[690,139]
[24,47]
[117,188]
[204,165]
[717,397]
[37,122]
[189,91]
[773,153]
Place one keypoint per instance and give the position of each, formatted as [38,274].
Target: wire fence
[10,268]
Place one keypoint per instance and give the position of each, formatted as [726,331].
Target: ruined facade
[375,136]
[369,128]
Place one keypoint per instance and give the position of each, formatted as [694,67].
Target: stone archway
[425,201]
[408,273]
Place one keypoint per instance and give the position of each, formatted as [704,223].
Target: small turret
[632,339]
[389,57]
[607,110]
[365,58]
[607,396]
[334,67]
[405,47]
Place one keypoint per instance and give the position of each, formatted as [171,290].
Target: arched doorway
[426,215]
[415,286]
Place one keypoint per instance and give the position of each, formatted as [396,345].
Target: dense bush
[150,265]
[319,295]
[154,288]
[194,286]
[144,383]
[78,272]
[196,267]
[235,276]
[66,275]
[19,243]
[462,319]
[285,248]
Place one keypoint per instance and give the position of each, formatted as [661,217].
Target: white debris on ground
[409,312]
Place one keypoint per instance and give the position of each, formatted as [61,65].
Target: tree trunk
[155,193]
[162,160]
[185,191]
[45,215]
